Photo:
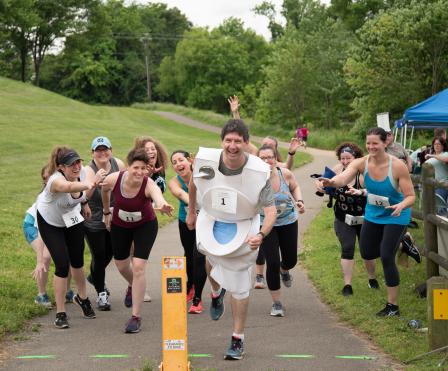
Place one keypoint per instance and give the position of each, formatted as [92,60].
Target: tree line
[329,66]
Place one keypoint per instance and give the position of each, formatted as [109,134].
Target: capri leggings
[100,245]
[196,272]
[143,237]
[347,237]
[382,240]
[66,245]
[282,239]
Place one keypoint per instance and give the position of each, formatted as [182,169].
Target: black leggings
[382,240]
[196,272]
[66,245]
[347,237]
[100,245]
[143,237]
[281,239]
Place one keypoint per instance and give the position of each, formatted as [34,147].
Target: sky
[212,12]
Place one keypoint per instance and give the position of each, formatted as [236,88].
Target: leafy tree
[106,62]
[210,66]
[34,25]
[267,9]
[401,58]
[305,80]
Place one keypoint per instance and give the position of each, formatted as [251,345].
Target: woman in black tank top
[98,237]
[349,205]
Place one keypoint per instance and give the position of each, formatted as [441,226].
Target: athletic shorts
[29,229]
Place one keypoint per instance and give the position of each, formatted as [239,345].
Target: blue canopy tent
[429,114]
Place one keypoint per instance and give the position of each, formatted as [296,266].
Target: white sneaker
[102,302]
[147,298]
[277,310]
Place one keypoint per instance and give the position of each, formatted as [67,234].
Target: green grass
[321,258]
[32,122]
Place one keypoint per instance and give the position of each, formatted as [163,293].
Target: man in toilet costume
[230,187]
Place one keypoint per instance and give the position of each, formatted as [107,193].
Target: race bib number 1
[130,216]
[224,201]
[72,218]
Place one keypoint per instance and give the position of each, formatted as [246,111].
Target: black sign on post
[173,285]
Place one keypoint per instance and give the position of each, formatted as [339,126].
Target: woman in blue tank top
[390,195]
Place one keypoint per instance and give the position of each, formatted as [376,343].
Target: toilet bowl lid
[209,240]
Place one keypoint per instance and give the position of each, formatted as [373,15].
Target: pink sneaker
[190,294]
[196,306]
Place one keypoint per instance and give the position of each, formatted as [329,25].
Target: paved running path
[309,328]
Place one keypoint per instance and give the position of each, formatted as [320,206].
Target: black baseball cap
[69,158]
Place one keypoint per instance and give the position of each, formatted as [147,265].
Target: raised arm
[177,190]
[346,176]
[61,185]
[153,191]
[234,106]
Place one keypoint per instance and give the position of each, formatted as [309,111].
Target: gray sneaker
[260,283]
[102,302]
[277,309]
[217,307]
[286,278]
[236,350]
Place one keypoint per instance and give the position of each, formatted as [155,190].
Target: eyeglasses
[264,158]
[101,149]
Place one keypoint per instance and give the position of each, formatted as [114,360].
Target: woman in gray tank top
[98,237]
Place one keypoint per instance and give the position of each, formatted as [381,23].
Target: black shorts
[143,237]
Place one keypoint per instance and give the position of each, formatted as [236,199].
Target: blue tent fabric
[428,114]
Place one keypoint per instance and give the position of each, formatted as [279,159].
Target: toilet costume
[229,214]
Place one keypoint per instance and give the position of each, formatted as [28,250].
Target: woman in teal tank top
[196,274]
[390,196]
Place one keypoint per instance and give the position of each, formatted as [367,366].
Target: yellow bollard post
[174,314]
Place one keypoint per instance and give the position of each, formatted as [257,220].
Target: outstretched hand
[234,103]
[397,208]
[165,209]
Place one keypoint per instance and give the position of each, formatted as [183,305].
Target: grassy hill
[32,122]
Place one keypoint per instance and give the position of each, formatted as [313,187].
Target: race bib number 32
[224,201]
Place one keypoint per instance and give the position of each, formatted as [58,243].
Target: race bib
[224,201]
[376,200]
[130,216]
[353,220]
[72,218]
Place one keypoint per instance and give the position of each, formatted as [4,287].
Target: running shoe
[217,308]
[69,296]
[147,298]
[128,297]
[236,350]
[286,278]
[133,325]
[102,302]
[260,283]
[277,309]
[190,294]
[85,305]
[347,290]
[196,306]
[43,300]
[390,310]
[90,280]
[409,248]
[373,283]
[61,320]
